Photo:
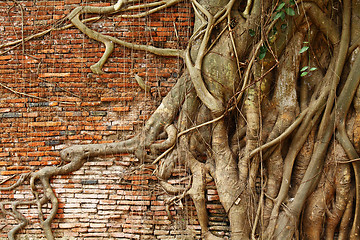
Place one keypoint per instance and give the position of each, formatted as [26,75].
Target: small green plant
[284,9]
[304,49]
[306,69]
[262,52]
[281,11]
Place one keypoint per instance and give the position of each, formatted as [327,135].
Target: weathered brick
[45,75]
[116,99]
[72,1]
[89,182]
[44,124]
[6,173]
[98,113]
[5,57]
[30,114]
[38,104]
[10,115]
[121,109]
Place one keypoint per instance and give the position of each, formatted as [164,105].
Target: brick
[98,113]
[52,143]
[161,232]
[6,173]
[46,75]
[5,57]
[116,99]
[90,196]
[5,110]
[10,115]
[18,168]
[89,182]
[30,114]
[21,149]
[72,2]
[44,124]
[65,99]
[35,144]
[95,103]
[38,104]
[121,109]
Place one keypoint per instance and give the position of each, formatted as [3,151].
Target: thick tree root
[283,135]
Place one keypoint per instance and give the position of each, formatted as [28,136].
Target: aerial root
[74,17]
[17,215]
[23,222]
[170,189]
[315,211]
[170,141]
[166,167]
[299,128]
[342,193]
[142,84]
[109,48]
[75,157]
[275,164]
[175,200]
[109,41]
[154,7]
[14,212]
[21,179]
[209,236]
[345,223]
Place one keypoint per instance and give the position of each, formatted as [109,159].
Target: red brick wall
[49,99]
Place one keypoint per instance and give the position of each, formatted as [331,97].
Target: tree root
[170,141]
[342,194]
[234,155]
[76,156]
[324,135]
[109,41]
[345,224]
[20,181]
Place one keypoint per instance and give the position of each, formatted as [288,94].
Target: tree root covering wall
[50,99]
[261,115]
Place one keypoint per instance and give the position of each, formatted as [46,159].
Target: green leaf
[304,74]
[283,26]
[279,15]
[304,68]
[263,51]
[282,16]
[292,2]
[252,32]
[281,5]
[304,49]
[274,30]
[262,55]
[313,69]
[290,11]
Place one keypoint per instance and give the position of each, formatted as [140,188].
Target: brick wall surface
[49,100]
